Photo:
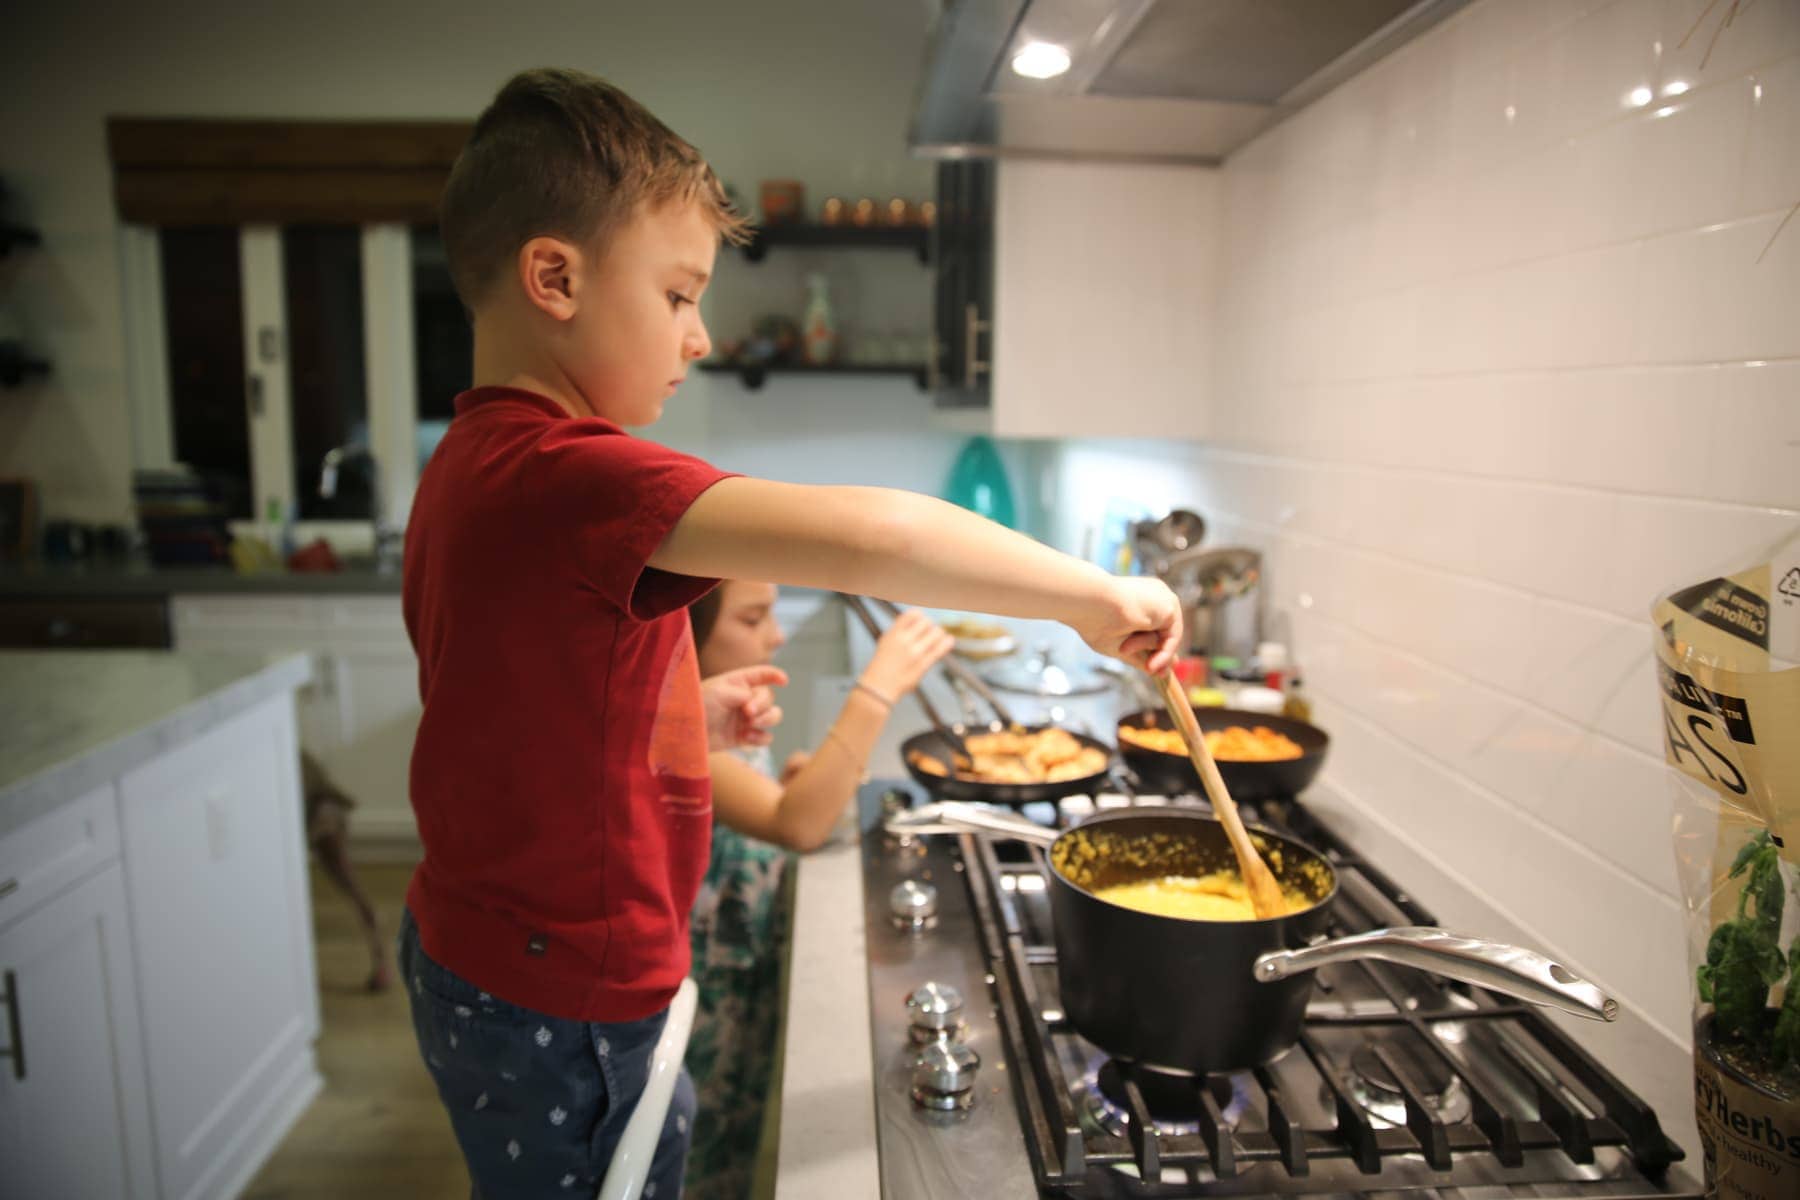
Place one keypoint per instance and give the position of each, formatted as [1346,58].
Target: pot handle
[951,816]
[1514,970]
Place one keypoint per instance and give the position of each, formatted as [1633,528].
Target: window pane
[322,276]
[443,343]
[203,307]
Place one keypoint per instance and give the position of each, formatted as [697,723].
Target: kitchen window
[256,349]
[321,274]
[443,342]
[203,338]
[278,303]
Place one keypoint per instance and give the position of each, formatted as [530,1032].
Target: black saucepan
[1205,996]
[938,747]
[1244,780]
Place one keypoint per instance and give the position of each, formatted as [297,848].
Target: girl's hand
[740,708]
[910,647]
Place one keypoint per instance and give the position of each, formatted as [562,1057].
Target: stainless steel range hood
[1148,80]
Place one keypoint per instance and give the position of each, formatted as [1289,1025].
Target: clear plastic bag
[1726,652]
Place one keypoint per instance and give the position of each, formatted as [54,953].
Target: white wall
[1105,296]
[785,89]
[1498,363]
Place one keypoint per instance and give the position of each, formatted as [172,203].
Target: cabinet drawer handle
[15,1030]
[973,328]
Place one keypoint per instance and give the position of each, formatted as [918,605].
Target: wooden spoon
[1265,893]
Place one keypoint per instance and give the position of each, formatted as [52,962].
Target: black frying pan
[1245,780]
[933,743]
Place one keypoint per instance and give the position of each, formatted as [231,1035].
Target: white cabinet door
[1104,299]
[378,699]
[218,891]
[359,714]
[74,1112]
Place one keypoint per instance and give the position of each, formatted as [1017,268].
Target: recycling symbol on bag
[1790,584]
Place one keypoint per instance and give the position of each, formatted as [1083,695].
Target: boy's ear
[550,271]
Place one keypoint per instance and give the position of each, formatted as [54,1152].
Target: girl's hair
[703,614]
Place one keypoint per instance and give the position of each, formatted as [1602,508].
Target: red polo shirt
[559,776]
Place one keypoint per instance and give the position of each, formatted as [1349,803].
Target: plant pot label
[1750,1139]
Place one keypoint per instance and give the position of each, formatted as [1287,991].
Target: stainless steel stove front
[967,1146]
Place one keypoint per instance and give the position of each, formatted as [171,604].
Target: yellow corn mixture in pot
[1220,896]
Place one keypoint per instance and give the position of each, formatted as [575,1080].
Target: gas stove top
[1402,1084]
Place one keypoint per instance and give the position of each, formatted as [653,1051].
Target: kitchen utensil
[951,736]
[958,671]
[1247,780]
[1043,673]
[1179,530]
[1205,580]
[1265,893]
[1210,996]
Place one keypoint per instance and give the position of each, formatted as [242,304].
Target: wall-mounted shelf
[16,366]
[754,375]
[16,235]
[916,238]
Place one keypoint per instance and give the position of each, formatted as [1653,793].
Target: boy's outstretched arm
[911,548]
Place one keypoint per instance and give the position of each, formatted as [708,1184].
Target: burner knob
[943,1076]
[934,1006]
[914,905]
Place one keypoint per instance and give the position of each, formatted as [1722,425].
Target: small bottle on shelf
[818,330]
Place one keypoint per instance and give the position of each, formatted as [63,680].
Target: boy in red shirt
[560,774]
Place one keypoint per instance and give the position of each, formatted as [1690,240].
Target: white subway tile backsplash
[1687,159]
[1626,935]
[1772,153]
[1600,62]
[1704,295]
[1499,366]
[1761,32]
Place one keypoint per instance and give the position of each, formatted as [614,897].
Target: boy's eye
[676,300]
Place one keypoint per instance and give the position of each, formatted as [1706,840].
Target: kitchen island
[155,930]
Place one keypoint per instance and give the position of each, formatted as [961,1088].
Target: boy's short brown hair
[564,154]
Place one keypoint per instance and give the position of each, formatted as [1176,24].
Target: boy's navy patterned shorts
[538,1103]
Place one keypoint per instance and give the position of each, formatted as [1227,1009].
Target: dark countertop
[104,580]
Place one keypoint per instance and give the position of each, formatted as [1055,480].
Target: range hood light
[1040,60]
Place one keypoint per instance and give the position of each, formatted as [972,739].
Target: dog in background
[328,833]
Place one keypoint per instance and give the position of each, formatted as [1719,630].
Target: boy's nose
[698,344]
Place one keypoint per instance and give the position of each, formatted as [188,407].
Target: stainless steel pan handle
[1514,970]
[951,816]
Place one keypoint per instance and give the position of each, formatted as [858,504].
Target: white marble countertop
[70,720]
[828,1146]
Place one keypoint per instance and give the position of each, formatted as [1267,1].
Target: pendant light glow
[1040,60]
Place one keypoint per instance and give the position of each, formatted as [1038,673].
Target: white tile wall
[1500,362]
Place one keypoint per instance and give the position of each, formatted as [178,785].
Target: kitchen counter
[70,720]
[154,923]
[143,579]
[828,1146]
[828,1131]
